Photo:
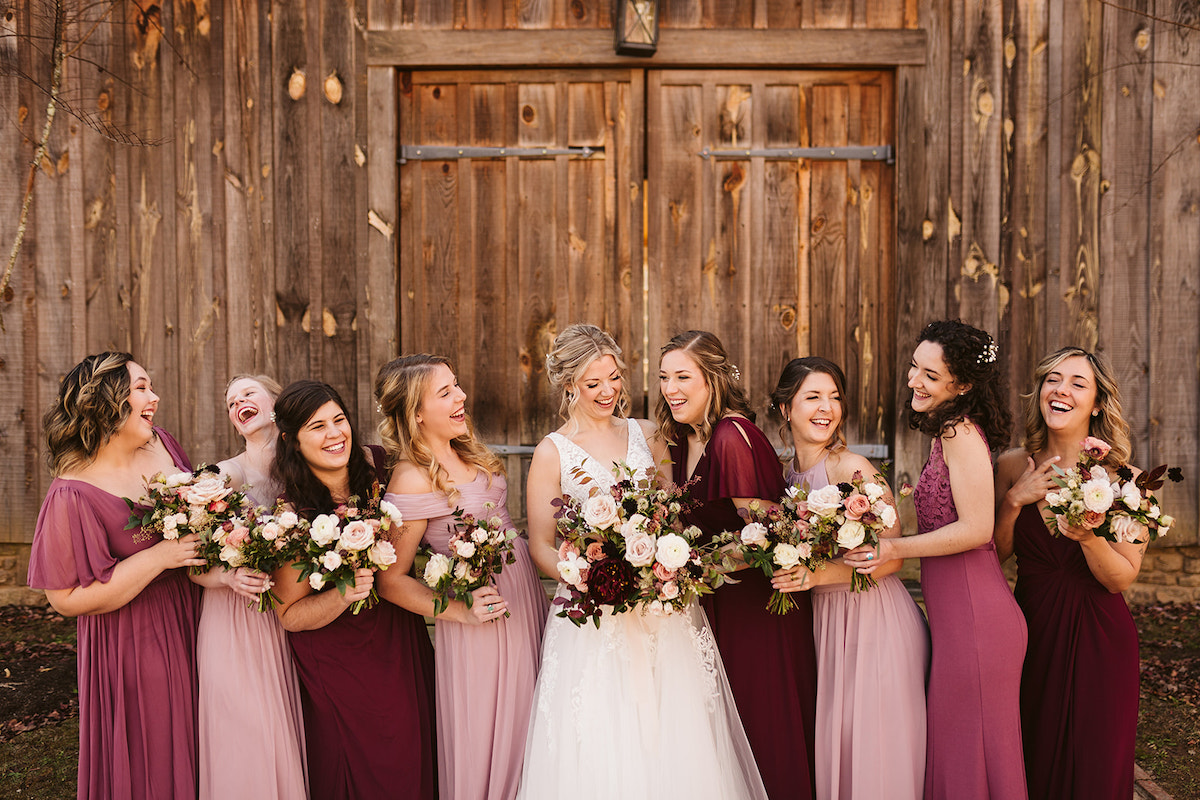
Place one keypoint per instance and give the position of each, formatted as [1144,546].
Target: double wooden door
[647,203]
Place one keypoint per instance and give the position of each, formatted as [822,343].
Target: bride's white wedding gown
[639,707]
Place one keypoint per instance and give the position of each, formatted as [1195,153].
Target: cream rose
[205,490]
[786,556]
[754,535]
[887,515]
[232,556]
[271,530]
[178,479]
[331,560]
[392,512]
[669,591]
[357,535]
[600,511]
[633,526]
[826,501]
[288,519]
[851,534]
[464,549]
[1131,497]
[873,491]
[479,536]
[462,570]
[316,581]
[1128,529]
[673,551]
[382,554]
[640,549]
[436,568]
[572,570]
[324,529]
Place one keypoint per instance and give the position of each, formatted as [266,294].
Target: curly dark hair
[294,407]
[972,358]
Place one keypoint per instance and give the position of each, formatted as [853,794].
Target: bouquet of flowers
[200,502]
[1116,506]
[260,540]
[333,546]
[628,549]
[479,549]
[810,527]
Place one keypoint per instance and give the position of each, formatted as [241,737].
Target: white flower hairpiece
[734,372]
[379,408]
[272,416]
[987,355]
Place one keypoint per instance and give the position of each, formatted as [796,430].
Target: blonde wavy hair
[721,376]
[92,405]
[1108,424]
[573,351]
[265,381]
[400,388]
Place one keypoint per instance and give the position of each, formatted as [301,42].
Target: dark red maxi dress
[1079,689]
[770,660]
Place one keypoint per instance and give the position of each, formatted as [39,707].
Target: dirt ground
[39,710]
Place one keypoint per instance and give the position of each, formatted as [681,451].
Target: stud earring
[1095,412]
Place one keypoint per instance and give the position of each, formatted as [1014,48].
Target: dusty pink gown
[978,634]
[137,664]
[251,723]
[486,674]
[872,657]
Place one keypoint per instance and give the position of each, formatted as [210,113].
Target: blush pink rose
[595,551]
[1093,519]
[238,536]
[857,505]
[566,550]
[357,535]
[640,550]
[662,573]
[205,491]
[669,591]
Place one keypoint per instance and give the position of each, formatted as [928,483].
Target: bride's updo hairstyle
[721,376]
[92,405]
[572,353]
[400,387]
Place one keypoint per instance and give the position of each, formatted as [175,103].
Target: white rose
[357,535]
[316,580]
[1131,497]
[1097,495]
[640,549]
[673,551]
[179,479]
[232,556]
[197,517]
[754,535]
[851,534]
[887,515]
[873,491]
[1098,473]
[633,526]
[1154,512]
[1128,529]
[382,554]
[464,549]
[792,491]
[1053,498]
[271,530]
[600,511]
[169,525]
[205,490]
[288,519]
[324,529]
[461,570]
[436,568]
[826,501]
[331,560]
[786,556]
[392,512]
[479,535]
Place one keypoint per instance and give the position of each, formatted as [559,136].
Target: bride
[639,707]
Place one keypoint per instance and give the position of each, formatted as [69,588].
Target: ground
[39,723]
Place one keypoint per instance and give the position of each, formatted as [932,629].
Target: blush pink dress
[872,658]
[979,637]
[137,664]
[485,674]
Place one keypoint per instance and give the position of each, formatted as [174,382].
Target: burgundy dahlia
[610,581]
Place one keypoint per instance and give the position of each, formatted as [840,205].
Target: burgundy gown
[1079,695]
[978,636]
[366,683]
[137,664]
[770,659]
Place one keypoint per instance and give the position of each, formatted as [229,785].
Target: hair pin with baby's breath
[379,408]
[987,355]
[734,372]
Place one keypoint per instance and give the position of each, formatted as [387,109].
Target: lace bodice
[932,497]
[572,456]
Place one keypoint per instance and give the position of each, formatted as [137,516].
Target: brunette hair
[92,405]
[294,407]
[400,389]
[1109,422]
[972,359]
[790,381]
[725,394]
[572,353]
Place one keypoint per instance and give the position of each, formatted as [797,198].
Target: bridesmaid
[872,646]
[485,672]
[770,660]
[1079,690]
[367,679]
[251,728]
[137,609]
[978,634]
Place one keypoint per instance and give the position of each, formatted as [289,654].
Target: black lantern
[636,27]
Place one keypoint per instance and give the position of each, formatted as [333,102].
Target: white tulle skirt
[639,707]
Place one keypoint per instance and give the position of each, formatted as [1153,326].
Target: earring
[1095,412]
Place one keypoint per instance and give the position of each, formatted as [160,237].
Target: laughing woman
[251,728]
[137,609]
[486,656]
[366,679]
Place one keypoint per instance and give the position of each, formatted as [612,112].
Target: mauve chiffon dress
[137,664]
[872,659]
[251,722]
[770,659]
[1079,693]
[486,673]
[978,636]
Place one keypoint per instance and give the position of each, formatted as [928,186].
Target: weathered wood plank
[678,48]
[728,123]
[1173,382]
[827,270]
[680,14]
[782,14]
[379,326]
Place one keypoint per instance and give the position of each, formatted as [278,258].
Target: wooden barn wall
[1045,190]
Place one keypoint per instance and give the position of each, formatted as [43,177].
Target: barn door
[779,255]
[519,215]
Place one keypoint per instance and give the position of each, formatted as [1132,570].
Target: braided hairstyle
[92,405]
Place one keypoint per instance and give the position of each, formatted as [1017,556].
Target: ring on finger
[490,606]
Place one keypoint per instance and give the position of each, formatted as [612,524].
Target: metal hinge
[876,152]
[417,152]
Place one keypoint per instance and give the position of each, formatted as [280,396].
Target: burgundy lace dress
[771,660]
[1079,694]
[137,664]
[978,636]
